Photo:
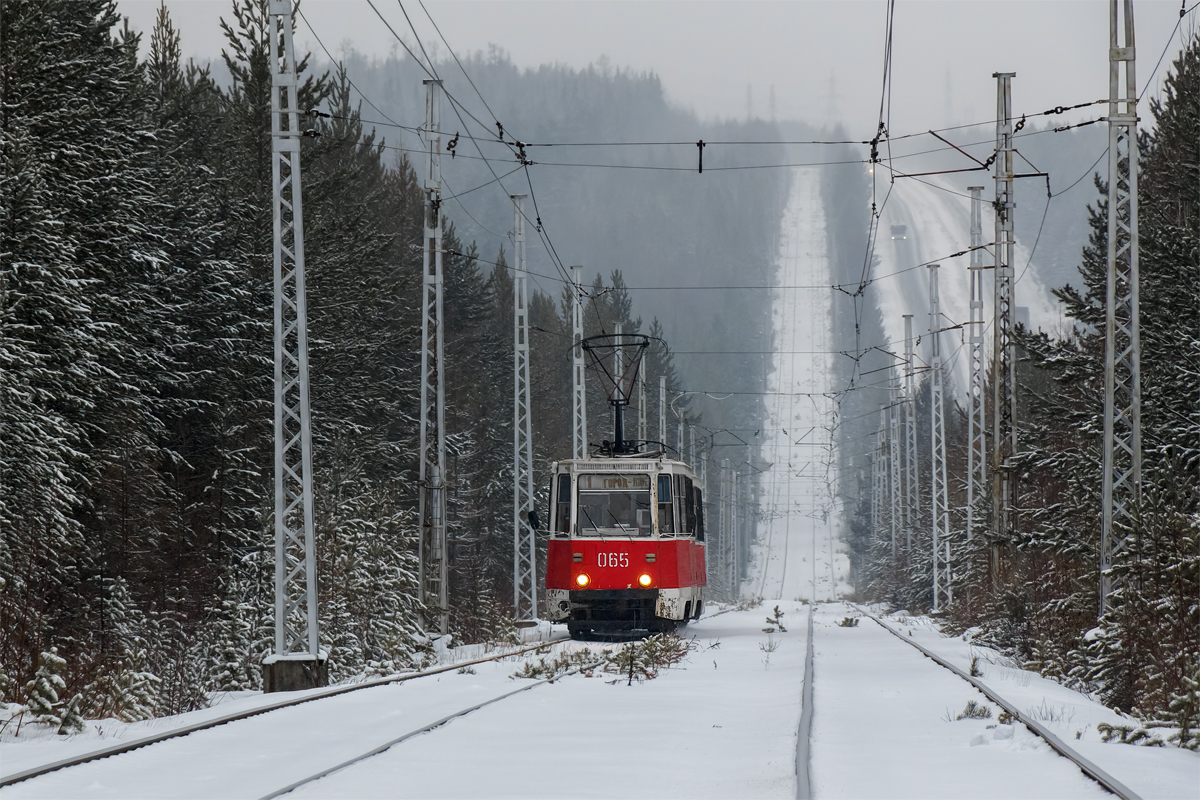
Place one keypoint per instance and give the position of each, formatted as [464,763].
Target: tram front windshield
[614,505]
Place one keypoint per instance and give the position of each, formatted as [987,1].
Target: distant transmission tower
[298,662]
[1122,345]
[937,423]
[976,419]
[524,536]
[1004,385]
[432,476]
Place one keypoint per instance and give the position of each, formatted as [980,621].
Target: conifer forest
[136,352]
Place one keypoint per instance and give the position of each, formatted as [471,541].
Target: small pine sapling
[41,693]
[777,621]
[848,622]
[72,720]
[974,710]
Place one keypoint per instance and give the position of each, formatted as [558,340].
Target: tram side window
[666,515]
[562,517]
[699,515]
[689,500]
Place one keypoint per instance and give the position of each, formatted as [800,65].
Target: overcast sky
[823,59]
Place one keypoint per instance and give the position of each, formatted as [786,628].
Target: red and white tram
[626,549]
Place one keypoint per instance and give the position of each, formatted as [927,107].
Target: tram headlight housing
[582,580]
[645,580]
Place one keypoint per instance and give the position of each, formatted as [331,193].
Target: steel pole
[579,435]
[1122,481]
[296,627]
[1004,389]
[431,509]
[524,536]
[976,390]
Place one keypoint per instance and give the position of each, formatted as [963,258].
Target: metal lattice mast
[912,502]
[726,531]
[879,479]
[679,430]
[894,473]
[1122,346]
[619,369]
[662,410]
[524,536]
[733,559]
[976,414]
[432,479]
[939,502]
[1004,383]
[692,446]
[643,432]
[296,630]
[579,440]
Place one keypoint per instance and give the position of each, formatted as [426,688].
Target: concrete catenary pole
[297,662]
[432,476]
[524,536]
[579,435]
[976,416]
[940,545]
[1004,383]
[1122,342]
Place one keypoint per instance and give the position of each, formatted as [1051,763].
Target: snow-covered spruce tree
[368,568]
[1144,650]
[212,430]
[48,332]
[43,691]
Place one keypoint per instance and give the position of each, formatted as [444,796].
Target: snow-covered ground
[798,555]
[722,724]
[1158,772]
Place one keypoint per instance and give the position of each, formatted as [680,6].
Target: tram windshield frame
[611,504]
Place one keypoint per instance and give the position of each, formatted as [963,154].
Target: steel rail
[1085,766]
[186,730]
[804,737]
[418,731]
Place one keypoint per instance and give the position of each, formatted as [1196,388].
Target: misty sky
[824,59]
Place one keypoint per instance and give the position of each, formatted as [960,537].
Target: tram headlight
[644,579]
[582,580]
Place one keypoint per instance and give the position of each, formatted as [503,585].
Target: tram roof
[624,464]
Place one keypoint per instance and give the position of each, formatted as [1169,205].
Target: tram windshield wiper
[619,525]
[595,527]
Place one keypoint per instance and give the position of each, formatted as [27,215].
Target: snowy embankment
[798,555]
[1074,716]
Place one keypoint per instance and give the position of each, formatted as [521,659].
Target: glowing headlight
[582,580]
[644,579]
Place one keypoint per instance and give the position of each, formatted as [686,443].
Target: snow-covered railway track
[374,751]
[188,730]
[1086,766]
